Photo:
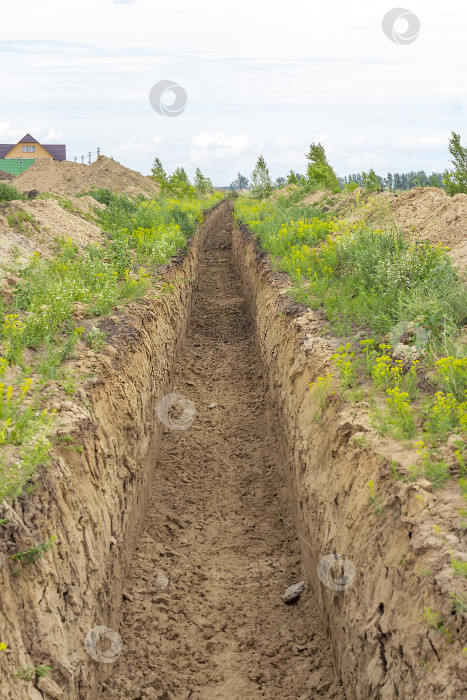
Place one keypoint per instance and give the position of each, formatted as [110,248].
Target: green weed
[459,567]
[28,673]
[374,500]
[96,338]
[18,218]
[322,391]
[459,603]
[8,193]
[30,556]
[436,622]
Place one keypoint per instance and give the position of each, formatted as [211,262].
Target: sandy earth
[218,528]
[70,178]
[427,213]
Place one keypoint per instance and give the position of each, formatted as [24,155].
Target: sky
[261,76]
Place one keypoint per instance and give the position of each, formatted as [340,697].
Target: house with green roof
[17,157]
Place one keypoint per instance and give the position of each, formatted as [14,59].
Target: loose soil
[70,178]
[219,528]
[427,213]
[50,222]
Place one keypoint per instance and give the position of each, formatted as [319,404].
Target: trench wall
[93,498]
[371,603]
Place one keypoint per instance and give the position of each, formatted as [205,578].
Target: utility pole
[98,151]
[89,154]
[82,160]
[76,159]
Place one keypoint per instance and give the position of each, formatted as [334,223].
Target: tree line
[320,175]
[397,181]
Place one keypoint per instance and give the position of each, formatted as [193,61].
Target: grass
[459,567]
[358,274]
[391,288]
[18,220]
[140,237]
[8,193]
[435,621]
[28,673]
[459,603]
[374,500]
[30,556]
[24,430]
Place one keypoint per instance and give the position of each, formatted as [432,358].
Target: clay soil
[202,614]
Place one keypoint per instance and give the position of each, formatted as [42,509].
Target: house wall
[17,151]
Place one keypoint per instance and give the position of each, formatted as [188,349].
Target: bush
[9,193]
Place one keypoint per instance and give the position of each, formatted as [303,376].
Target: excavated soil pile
[203,616]
[426,212]
[48,221]
[5,176]
[286,191]
[70,178]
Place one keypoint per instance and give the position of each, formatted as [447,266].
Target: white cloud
[365,160]
[53,135]
[294,73]
[139,148]
[213,145]
[428,141]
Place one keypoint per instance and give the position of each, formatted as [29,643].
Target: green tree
[292,178]
[202,184]
[241,183]
[280,182]
[371,181]
[455,181]
[261,180]
[158,173]
[179,184]
[320,173]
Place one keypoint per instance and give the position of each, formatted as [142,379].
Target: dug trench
[183,540]
[203,615]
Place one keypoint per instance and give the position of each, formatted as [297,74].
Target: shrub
[9,193]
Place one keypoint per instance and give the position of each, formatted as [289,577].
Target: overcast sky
[262,76]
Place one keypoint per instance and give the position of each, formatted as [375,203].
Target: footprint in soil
[220,629]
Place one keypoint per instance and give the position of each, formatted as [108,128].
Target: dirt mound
[314,197]
[33,226]
[5,176]
[71,178]
[284,192]
[426,212]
